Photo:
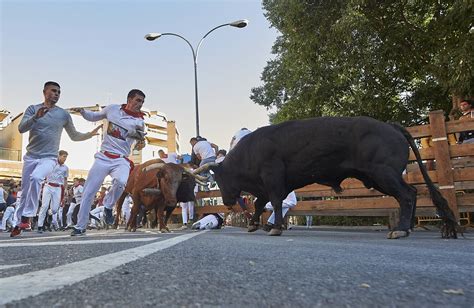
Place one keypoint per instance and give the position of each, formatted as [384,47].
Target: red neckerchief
[133,114]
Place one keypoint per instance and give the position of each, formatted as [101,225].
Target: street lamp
[153,36]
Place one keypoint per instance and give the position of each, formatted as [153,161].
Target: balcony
[10,154]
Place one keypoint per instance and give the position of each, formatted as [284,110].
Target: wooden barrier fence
[454,176]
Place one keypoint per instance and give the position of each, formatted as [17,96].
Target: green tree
[391,60]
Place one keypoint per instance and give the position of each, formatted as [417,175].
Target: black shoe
[40,230]
[109,218]
[77,232]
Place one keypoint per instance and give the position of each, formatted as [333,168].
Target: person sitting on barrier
[467,109]
[206,152]
[210,221]
[289,202]
[237,136]
[171,157]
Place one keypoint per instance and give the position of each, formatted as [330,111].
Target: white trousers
[118,169]
[69,213]
[97,212]
[8,217]
[51,199]
[126,213]
[185,207]
[60,217]
[33,174]
[284,209]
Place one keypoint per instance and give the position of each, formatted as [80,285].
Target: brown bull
[158,186]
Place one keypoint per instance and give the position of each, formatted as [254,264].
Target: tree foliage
[391,60]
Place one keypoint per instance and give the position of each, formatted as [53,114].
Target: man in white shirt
[77,191]
[237,136]
[53,191]
[206,152]
[125,128]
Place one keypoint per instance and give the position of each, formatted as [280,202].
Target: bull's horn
[153,166]
[202,183]
[196,176]
[205,167]
[151,191]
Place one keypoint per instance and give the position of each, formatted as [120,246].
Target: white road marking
[79,242]
[2,267]
[31,284]
[47,237]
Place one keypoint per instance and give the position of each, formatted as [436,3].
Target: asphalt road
[232,268]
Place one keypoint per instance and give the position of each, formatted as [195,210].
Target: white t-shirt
[59,173]
[77,191]
[237,136]
[172,158]
[120,125]
[204,149]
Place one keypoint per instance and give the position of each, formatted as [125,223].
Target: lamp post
[153,36]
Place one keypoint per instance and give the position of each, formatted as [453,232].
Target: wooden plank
[463,162]
[417,177]
[459,126]
[426,153]
[458,150]
[443,159]
[463,174]
[419,131]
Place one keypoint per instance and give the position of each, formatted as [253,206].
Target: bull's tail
[449,221]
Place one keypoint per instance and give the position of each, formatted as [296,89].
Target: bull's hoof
[275,232]
[397,234]
[252,228]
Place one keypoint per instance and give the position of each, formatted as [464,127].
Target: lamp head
[239,23]
[152,36]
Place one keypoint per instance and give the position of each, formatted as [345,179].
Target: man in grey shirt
[45,122]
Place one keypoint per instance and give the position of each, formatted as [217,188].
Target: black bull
[274,160]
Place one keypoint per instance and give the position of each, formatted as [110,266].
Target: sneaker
[40,230]
[24,226]
[184,227]
[15,232]
[77,232]
[109,218]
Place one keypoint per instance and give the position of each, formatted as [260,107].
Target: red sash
[114,156]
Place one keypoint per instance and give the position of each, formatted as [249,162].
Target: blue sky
[96,51]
